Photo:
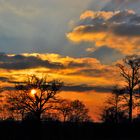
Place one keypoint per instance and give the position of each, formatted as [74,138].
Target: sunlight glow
[33,91]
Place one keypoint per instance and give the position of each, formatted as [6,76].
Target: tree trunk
[116,116]
[64,120]
[130,106]
[38,116]
[37,126]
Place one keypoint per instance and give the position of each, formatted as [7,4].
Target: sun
[33,91]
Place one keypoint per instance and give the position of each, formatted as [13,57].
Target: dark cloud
[79,88]
[124,16]
[94,28]
[106,55]
[73,64]
[17,62]
[121,5]
[125,23]
[127,30]
[4,79]
[95,72]
[9,88]
[87,21]
[84,88]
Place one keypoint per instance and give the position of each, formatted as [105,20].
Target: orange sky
[94,101]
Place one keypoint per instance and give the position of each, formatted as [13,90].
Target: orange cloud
[73,70]
[119,30]
[103,14]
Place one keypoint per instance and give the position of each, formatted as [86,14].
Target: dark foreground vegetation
[68,131]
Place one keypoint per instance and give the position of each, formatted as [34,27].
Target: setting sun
[33,91]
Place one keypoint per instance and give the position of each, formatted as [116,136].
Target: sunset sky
[76,41]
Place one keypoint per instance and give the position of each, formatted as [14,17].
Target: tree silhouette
[113,110]
[130,71]
[73,111]
[34,96]
[79,112]
[51,116]
[109,115]
[65,109]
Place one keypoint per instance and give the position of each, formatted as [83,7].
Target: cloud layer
[119,30]
[82,73]
[19,62]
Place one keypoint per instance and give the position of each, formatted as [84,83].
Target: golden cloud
[103,14]
[70,70]
[119,30]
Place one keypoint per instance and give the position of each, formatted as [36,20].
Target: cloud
[102,14]
[85,88]
[119,30]
[105,54]
[4,79]
[18,62]
[82,63]
[97,72]
[49,61]
[87,72]
[121,5]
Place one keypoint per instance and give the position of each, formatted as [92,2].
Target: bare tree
[79,112]
[34,96]
[64,109]
[109,115]
[113,110]
[51,115]
[130,71]
[73,111]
